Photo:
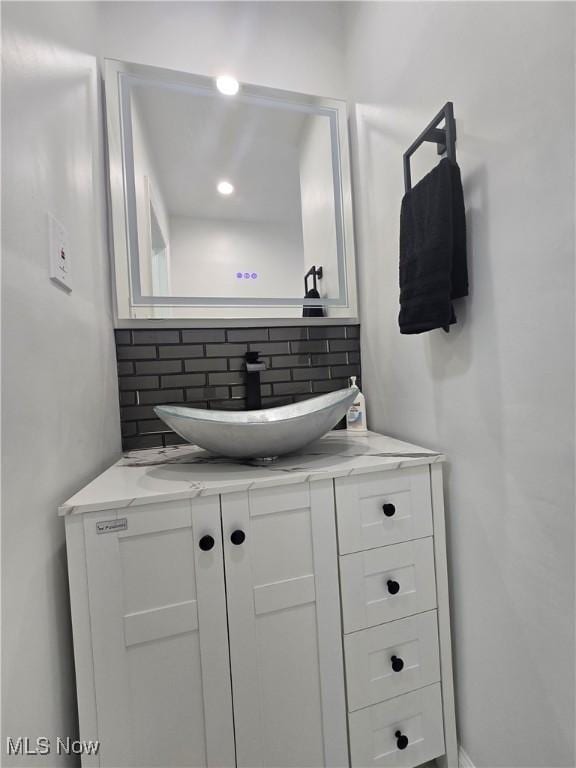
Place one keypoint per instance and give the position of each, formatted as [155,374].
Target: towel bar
[444,138]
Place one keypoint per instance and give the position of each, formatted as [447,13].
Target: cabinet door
[284,625]
[158,618]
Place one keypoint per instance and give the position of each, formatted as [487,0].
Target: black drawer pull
[237,537]
[206,543]
[393,586]
[397,663]
[388,509]
[401,740]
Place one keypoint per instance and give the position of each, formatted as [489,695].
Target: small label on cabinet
[109,526]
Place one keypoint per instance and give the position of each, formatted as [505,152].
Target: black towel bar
[444,137]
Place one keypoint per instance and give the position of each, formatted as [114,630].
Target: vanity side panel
[450,759]
[81,634]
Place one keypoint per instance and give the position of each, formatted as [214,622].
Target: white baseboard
[464,759]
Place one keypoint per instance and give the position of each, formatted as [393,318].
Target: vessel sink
[262,434]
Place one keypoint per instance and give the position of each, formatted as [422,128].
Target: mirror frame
[130,304]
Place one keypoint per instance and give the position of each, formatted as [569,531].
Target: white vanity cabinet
[287,616]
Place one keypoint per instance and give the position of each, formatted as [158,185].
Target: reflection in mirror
[231,200]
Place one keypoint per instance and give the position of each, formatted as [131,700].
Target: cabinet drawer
[416,715]
[388,583]
[391,659]
[381,509]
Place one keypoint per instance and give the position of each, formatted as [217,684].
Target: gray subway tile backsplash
[343,345]
[127,398]
[135,353]
[280,374]
[226,377]
[287,334]
[206,364]
[333,358]
[183,380]
[328,385]
[345,370]
[204,368]
[248,334]
[308,374]
[204,335]
[290,361]
[151,427]
[123,337]
[126,367]
[161,396]
[271,348]
[136,413]
[309,346]
[155,337]
[143,441]
[225,350]
[138,383]
[181,351]
[291,387]
[158,366]
[328,332]
[207,393]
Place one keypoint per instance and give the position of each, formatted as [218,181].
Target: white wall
[280,44]
[496,394]
[60,400]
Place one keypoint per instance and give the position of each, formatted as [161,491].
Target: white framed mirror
[229,201]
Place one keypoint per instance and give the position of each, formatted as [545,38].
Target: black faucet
[253,394]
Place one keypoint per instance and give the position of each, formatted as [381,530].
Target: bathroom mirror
[229,200]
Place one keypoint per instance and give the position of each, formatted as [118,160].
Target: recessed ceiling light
[225,188]
[227,85]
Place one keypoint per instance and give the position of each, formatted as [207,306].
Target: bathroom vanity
[294,614]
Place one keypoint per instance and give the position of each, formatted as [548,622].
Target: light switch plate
[59,253]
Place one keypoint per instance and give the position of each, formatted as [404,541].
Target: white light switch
[60,259]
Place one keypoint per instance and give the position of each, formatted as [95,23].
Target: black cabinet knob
[389,509]
[237,537]
[401,740]
[206,543]
[397,663]
[393,586]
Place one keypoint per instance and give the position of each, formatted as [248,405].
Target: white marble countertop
[185,471]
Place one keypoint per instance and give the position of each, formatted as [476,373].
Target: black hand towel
[313,311]
[433,268]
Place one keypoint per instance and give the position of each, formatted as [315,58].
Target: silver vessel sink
[262,434]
